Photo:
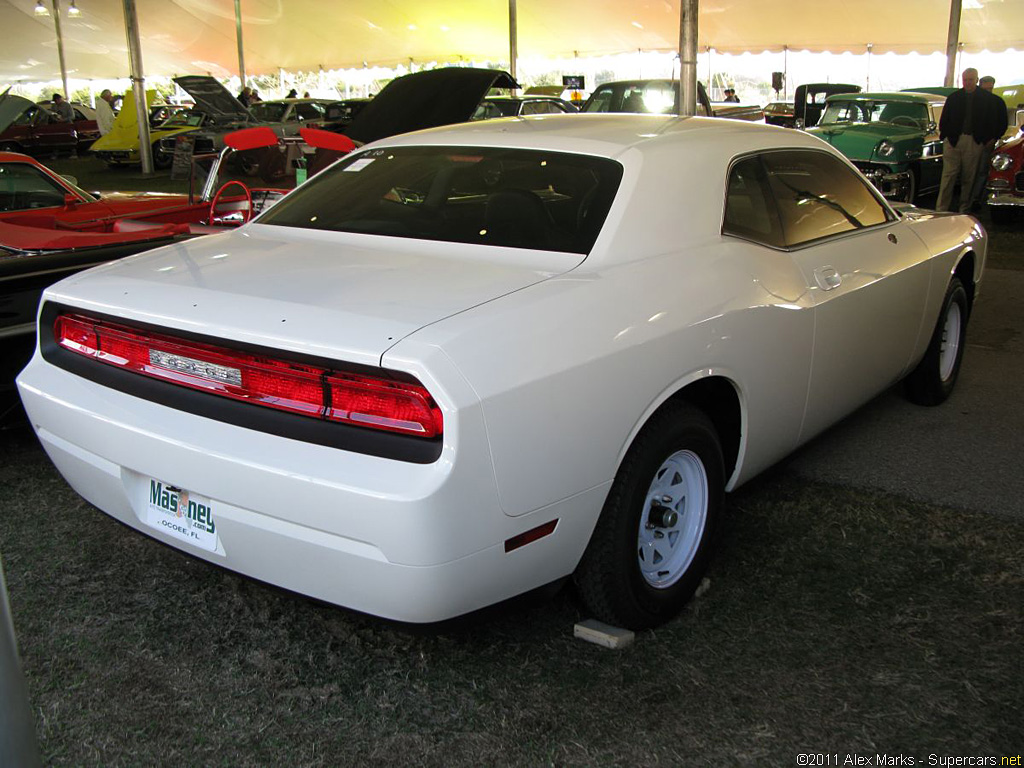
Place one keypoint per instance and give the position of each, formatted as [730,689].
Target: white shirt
[104,116]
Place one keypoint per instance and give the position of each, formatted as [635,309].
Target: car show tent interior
[199,36]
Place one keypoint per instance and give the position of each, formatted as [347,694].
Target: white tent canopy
[198,36]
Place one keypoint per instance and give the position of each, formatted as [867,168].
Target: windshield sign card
[186,516]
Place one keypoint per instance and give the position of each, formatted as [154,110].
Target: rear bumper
[410,542]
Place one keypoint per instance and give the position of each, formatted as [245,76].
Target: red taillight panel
[309,390]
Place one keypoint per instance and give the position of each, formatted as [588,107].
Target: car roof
[921,98]
[289,101]
[524,97]
[611,134]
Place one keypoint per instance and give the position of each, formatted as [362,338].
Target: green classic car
[893,138]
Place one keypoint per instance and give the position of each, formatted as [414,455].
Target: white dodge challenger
[464,363]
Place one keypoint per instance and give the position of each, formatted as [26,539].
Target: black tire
[932,381]
[609,577]
[162,160]
[912,191]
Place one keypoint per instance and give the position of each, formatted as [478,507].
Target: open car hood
[213,98]
[426,100]
[11,108]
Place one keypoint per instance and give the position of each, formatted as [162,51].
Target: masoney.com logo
[177,502]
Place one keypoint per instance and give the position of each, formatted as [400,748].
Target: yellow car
[121,145]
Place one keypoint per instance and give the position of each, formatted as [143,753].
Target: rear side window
[485,195]
[749,208]
[818,196]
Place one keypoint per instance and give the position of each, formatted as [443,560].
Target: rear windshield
[490,196]
[268,111]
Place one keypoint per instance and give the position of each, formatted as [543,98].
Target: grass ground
[837,621]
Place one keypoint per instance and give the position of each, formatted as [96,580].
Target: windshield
[268,112]
[894,112]
[490,108]
[488,196]
[656,98]
[189,119]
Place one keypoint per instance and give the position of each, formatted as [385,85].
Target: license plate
[181,514]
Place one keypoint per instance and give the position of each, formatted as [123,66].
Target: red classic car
[31,128]
[1005,185]
[49,229]
[86,127]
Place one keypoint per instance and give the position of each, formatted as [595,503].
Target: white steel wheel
[932,381]
[672,525]
[949,350]
[655,536]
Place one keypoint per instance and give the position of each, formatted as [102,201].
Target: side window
[23,187]
[601,101]
[308,111]
[749,208]
[539,108]
[818,196]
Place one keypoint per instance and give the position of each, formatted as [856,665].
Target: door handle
[827,278]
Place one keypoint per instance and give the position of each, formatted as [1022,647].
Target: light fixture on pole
[40,9]
[73,12]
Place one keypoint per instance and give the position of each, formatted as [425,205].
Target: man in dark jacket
[969,122]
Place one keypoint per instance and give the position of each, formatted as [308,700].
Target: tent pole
[952,38]
[513,39]
[238,36]
[60,49]
[131,28]
[688,57]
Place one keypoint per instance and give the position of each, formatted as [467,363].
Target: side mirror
[931,127]
[70,200]
[798,123]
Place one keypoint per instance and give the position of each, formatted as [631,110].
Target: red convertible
[49,229]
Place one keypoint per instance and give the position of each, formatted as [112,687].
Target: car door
[867,274]
[50,134]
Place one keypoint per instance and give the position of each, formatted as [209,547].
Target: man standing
[968,122]
[730,95]
[105,112]
[987,83]
[63,109]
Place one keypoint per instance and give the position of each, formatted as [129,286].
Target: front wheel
[911,192]
[653,541]
[162,160]
[932,381]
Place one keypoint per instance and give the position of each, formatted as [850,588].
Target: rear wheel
[932,381]
[653,541]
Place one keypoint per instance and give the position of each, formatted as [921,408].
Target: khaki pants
[959,163]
